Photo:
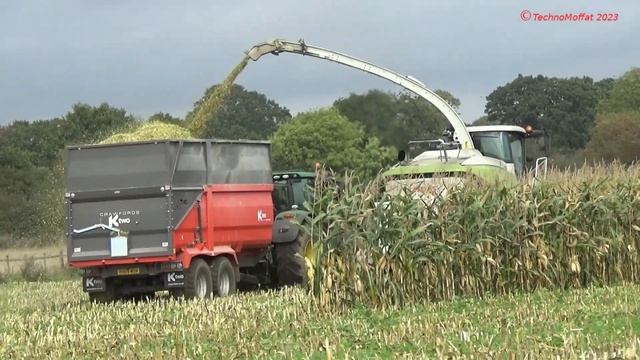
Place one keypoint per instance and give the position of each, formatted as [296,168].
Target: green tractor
[293,252]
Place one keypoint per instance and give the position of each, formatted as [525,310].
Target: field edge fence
[14,265]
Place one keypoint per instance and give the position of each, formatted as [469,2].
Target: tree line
[586,119]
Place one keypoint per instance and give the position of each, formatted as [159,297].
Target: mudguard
[284,231]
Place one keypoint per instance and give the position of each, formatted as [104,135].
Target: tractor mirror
[402,155]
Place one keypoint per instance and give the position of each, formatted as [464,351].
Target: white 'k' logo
[261,216]
[113,220]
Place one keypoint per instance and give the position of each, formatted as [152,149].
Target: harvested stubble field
[55,320]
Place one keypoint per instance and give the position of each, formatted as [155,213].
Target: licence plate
[129,271]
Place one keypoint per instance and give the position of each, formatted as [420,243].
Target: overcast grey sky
[160,55]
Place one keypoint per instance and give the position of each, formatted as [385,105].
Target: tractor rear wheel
[223,276]
[295,261]
[197,282]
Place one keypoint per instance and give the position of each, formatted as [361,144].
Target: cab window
[280,195]
[301,191]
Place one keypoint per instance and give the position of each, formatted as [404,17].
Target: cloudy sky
[160,55]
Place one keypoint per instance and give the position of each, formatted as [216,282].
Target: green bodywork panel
[302,174]
[298,215]
[484,172]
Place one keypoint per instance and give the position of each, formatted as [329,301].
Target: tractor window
[301,191]
[281,200]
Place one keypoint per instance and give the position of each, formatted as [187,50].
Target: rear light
[289,216]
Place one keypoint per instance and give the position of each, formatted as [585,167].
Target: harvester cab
[514,145]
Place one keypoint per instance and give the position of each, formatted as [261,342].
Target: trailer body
[139,214]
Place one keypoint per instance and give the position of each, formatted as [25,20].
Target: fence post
[8,265]
[24,263]
[61,259]
[44,261]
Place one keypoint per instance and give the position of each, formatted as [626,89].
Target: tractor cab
[290,190]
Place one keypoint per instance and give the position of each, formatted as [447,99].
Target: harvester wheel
[295,261]
[197,282]
[223,276]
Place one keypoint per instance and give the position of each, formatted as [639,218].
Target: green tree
[166,118]
[616,136]
[448,97]
[624,95]
[481,121]
[88,124]
[566,108]
[328,137]
[396,118]
[39,142]
[243,115]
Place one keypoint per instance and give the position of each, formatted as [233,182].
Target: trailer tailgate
[120,228]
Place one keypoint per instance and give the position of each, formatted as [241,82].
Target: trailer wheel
[224,277]
[295,261]
[197,282]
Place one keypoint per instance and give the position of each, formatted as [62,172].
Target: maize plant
[575,229]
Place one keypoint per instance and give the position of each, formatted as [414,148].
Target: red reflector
[288,216]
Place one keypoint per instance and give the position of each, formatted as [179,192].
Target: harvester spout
[269,47]
[277,46]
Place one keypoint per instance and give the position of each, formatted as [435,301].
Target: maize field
[575,229]
[549,270]
[55,320]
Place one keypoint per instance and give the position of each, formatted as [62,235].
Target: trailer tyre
[223,275]
[197,282]
[292,266]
